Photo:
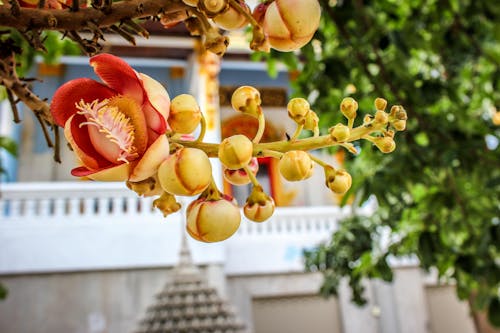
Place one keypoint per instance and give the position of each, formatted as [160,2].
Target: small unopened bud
[259,206]
[380,104]
[399,125]
[398,112]
[348,107]
[185,114]
[311,121]
[295,165]
[246,99]
[298,108]
[235,152]
[381,117]
[338,181]
[385,144]
[340,133]
[232,19]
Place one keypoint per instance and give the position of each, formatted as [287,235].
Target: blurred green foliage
[439,192]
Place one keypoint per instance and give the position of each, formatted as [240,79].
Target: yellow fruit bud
[235,152]
[212,220]
[259,211]
[381,117]
[185,114]
[338,181]
[295,165]
[192,3]
[186,172]
[348,107]
[298,108]
[399,125]
[289,24]
[246,99]
[380,104]
[311,121]
[340,133]
[385,144]
[231,19]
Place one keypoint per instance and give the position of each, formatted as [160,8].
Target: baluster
[59,207]
[44,207]
[15,208]
[103,206]
[73,206]
[28,207]
[89,206]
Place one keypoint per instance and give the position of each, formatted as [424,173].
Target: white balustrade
[65,226]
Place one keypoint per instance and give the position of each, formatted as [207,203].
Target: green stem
[203,129]
[317,160]
[252,177]
[297,132]
[260,131]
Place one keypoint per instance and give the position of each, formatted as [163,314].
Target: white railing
[89,225]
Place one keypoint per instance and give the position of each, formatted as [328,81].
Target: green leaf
[9,145]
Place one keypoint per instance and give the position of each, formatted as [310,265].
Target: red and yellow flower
[115,128]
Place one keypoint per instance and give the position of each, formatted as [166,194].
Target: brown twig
[55,19]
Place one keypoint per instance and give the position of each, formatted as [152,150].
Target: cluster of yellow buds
[285,25]
[215,216]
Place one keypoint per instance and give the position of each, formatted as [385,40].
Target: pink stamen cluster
[114,124]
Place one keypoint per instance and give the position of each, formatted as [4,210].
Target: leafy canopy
[439,192]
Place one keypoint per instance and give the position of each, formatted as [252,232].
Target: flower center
[114,125]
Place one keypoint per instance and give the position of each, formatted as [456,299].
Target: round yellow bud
[348,107]
[298,108]
[385,144]
[231,19]
[380,104]
[259,211]
[246,99]
[311,121]
[295,165]
[399,125]
[290,24]
[186,172]
[340,133]
[185,114]
[381,117]
[212,220]
[338,181]
[235,152]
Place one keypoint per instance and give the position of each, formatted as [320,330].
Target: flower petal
[118,75]
[72,92]
[79,140]
[150,162]
[114,174]
[157,95]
